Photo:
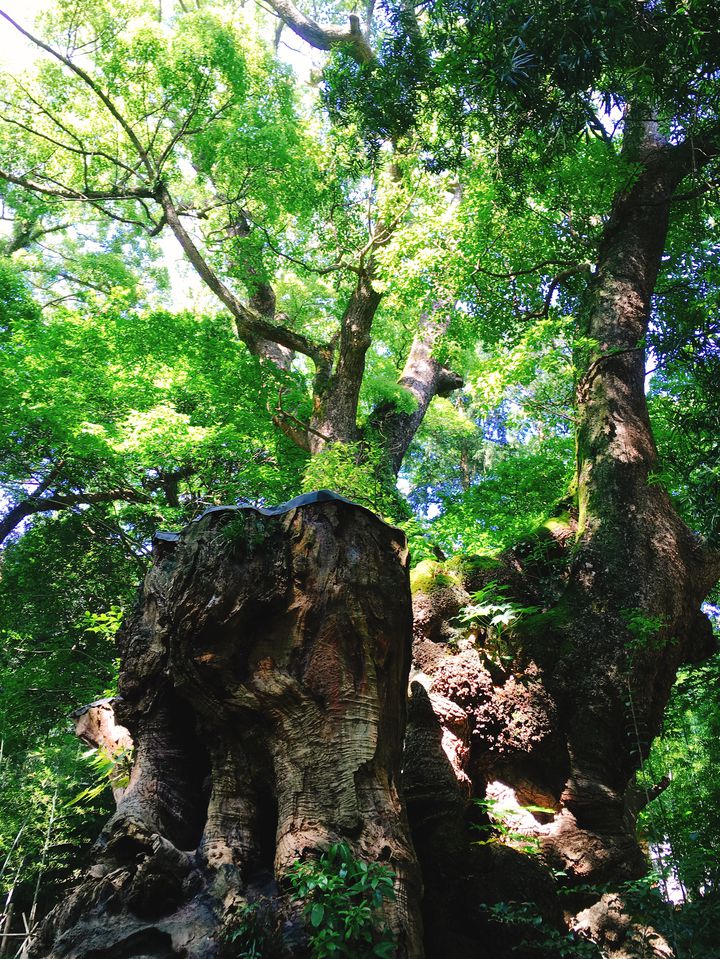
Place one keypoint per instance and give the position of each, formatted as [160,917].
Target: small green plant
[104,624]
[500,829]
[645,632]
[343,904]
[253,930]
[540,936]
[108,769]
[492,617]
[242,533]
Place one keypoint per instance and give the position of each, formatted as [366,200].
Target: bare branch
[325,37]
[68,193]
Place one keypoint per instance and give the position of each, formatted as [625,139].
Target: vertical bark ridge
[280,644]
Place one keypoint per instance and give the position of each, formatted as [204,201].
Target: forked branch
[352,37]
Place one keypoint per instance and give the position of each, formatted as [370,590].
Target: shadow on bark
[263,682]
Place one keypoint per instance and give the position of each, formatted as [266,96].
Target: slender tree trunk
[337,390]
[424,377]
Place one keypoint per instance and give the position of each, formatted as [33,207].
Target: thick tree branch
[423,377]
[352,37]
[251,325]
[55,502]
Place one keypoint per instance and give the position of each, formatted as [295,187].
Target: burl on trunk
[264,676]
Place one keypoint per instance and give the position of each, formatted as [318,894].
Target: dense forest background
[248,252]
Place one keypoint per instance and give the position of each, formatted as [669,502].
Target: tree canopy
[443,261]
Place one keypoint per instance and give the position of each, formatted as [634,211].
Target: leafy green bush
[357,471]
[343,904]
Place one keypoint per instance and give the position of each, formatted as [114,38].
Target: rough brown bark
[567,723]
[352,38]
[424,377]
[337,389]
[263,681]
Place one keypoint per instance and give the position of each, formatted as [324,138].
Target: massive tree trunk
[263,682]
[638,575]
[616,585]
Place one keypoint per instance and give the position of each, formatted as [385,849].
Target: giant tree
[618,584]
[608,593]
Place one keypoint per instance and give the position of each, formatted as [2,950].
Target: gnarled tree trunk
[617,589]
[263,681]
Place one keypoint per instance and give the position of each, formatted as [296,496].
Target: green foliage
[39,802]
[357,471]
[55,580]
[513,492]
[501,829]
[108,769]
[691,929]
[685,405]
[253,930]
[493,619]
[646,632]
[681,823]
[539,936]
[343,904]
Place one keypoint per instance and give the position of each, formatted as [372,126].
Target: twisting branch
[512,274]
[556,282]
[352,37]
[42,501]
[251,326]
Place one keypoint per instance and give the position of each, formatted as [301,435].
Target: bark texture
[263,681]
[424,377]
[566,718]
